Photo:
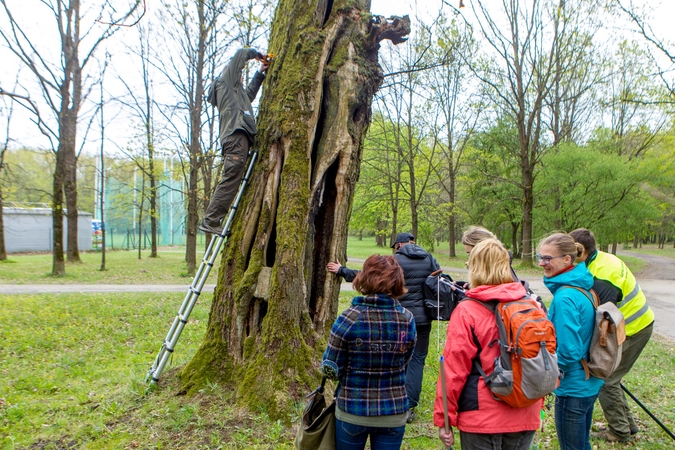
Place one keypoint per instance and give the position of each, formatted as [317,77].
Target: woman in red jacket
[483,422]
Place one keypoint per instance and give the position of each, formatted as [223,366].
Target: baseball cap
[402,237]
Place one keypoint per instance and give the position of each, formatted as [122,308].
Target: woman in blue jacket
[573,316]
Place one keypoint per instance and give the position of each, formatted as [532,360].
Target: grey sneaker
[411,415]
[206,228]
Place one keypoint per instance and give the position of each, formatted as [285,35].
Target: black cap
[402,237]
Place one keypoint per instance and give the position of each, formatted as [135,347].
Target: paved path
[657,281]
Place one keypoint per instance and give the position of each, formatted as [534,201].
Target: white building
[30,230]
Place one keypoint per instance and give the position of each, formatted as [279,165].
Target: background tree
[63,90]
[190,29]
[6,110]
[142,108]
[490,190]
[658,43]
[585,187]
[378,193]
[455,103]
[275,302]
[402,104]
[523,39]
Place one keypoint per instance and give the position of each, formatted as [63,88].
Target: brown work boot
[206,228]
[607,435]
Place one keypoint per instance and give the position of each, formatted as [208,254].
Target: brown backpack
[609,333]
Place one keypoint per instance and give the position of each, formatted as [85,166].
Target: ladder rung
[156,369]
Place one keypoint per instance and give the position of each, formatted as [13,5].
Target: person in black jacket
[417,264]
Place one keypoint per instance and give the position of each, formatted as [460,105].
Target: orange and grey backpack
[527,367]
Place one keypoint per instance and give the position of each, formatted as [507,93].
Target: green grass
[122,267]
[72,370]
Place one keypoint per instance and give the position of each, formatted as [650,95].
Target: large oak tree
[275,301]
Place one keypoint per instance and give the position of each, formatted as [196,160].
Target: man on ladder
[237,130]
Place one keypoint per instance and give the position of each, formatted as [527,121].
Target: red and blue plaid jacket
[369,347]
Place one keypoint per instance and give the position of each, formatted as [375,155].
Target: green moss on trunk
[313,116]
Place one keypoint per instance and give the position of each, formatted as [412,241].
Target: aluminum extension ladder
[198,283]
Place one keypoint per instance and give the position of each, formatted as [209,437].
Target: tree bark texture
[58,261]
[3,250]
[196,156]
[275,301]
[70,108]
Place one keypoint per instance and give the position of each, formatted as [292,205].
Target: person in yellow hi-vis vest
[614,282]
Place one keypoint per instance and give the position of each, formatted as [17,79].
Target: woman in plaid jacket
[369,346]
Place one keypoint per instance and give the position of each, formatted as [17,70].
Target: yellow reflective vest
[632,302]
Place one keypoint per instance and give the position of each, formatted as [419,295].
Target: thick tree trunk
[70,190]
[195,143]
[275,301]
[527,245]
[58,261]
[514,238]
[452,223]
[3,250]
[528,193]
[140,215]
[153,213]
[152,178]
[192,218]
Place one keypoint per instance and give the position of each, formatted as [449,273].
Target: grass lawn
[122,267]
[73,369]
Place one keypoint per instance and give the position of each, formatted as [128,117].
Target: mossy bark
[293,219]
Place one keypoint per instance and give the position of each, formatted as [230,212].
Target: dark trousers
[612,399]
[505,441]
[415,371]
[235,152]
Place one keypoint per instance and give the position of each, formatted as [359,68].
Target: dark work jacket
[417,265]
[233,101]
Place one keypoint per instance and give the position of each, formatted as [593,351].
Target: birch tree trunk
[275,301]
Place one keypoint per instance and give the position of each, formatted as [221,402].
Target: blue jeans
[349,436]
[573,418]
